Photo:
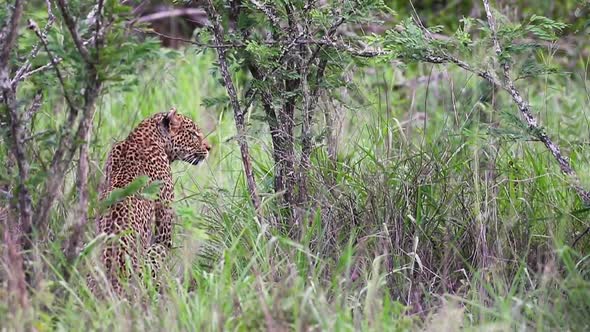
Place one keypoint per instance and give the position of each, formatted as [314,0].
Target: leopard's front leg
[164,219]
[162,240]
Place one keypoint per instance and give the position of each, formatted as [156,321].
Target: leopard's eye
[195,134]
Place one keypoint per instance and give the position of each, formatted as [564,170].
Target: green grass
[394,238]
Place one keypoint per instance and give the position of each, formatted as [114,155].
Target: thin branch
[238,112]
[297,41]
[71,25]
[273,124]
[37,70]
[497,47]
[97,32]
[91,93]
[579,237]
[53,62]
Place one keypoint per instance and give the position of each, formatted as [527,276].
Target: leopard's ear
[171,119]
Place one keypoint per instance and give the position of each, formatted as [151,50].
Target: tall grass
[436,212]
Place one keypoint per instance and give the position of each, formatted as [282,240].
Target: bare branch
[71,25]
[33,26]
[188,41]
[297,41]
[238,112]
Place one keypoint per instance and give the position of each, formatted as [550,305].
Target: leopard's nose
[207,146]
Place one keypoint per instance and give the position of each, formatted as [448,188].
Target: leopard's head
[185,141]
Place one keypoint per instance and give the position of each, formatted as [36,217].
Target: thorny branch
[527,113]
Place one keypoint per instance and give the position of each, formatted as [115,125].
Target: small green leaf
[120,194]
[152,191]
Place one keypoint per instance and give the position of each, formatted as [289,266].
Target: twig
[171,13]
[97,32]
[37,70]
[238,112]
[23,72]
[497,47]
[297,41]
[35,106]
[269,12]
[579,237]
[188,41]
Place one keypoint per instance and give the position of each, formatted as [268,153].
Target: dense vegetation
[396,182]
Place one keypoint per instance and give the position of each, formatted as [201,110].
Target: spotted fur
[143,227]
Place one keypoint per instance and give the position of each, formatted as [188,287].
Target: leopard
[140,227]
